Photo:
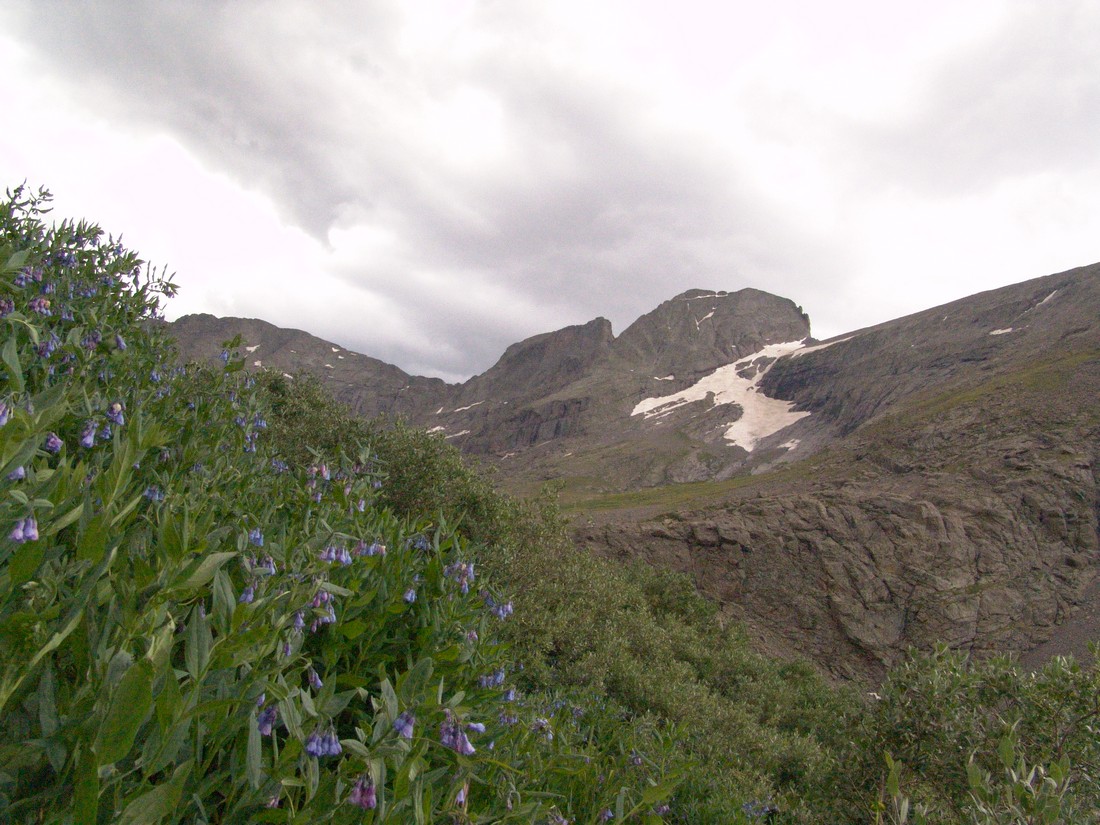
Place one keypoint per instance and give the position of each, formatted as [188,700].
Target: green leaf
[199,640]
[389,699]
[10,356]
[255,753]
[130,706]
[153,805]
[200,571]
[25,561]
[86,788]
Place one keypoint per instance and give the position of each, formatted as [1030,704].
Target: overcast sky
[428,181]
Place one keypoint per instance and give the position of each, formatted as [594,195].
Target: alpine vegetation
[197,628]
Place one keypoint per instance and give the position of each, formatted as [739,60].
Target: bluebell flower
[266,719]
[18,474]
[476,727]
[114,413]
[225,356]
[87,438]
[314,680]
[7,307]
[410,595]
[256,537]
[119,343]
[5,413]
[452,736]
[40,305]
[363,794]
[24,530]
[247,595]
[404,724]
[154,493]
[279,465]
[299,621]
[460,797]
[606,815]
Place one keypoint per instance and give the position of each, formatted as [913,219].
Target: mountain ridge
[931,478]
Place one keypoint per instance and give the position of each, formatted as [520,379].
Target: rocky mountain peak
[542,363]
[700,330]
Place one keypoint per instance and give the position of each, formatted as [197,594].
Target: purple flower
[119,343]
[476,727]
[247,595]
[266,719]
[53,443]
[404,724]
[460,797]
[453,737]
[24,530]
[40,305]
[5,411]
[606,814]
[17,474]
[154,493]
[327,744]
[492,680]
[363,794]
[87,438]
[256,537]
[7,307]
[410,595]
[299,620]
[114,413]
[314,680]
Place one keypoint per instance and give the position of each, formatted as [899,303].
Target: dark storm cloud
[1025,101]
[592,211]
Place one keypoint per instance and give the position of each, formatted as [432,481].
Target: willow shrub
[195,627]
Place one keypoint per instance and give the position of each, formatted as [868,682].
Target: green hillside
[223,599]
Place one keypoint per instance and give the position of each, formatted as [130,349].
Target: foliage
[195,627]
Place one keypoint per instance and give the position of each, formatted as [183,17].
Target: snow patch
[252,349]
[335,349]
[666,378]
[456,435]
[288,375]
[790,445]
[470,407]
[435,429]
[700,320]
[816,347]
[329,367]
[1001,331]
[761,416]
[257,363]
[1055,292]
[340,357]
[437,412]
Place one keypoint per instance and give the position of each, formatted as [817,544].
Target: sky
[429,181]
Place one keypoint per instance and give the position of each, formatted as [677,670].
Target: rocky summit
[930,479]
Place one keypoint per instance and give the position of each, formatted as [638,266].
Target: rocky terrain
[928,479]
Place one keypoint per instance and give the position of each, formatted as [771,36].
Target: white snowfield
[1004,331]
[760,416]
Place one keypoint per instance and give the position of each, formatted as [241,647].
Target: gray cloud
[1024,101]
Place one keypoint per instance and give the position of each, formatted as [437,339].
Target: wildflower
[91,340]
[87,438]
[154,493]
[491,680]
[5,412]
[266,719]
[476,727]
[363,794]
[404,724]
[299,621]
[606,815]
[453,737]
[279,466]
[7,307]
[461,572]
[18,474]
[542,726]
[120,344]
[323,744]
[636,759]
[225,356]
[256,537]
[247,595]
[460,797]
[40,305]
[24,530]
[114,413]
[410,595]
[314,680]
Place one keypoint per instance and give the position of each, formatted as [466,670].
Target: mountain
[928,479]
